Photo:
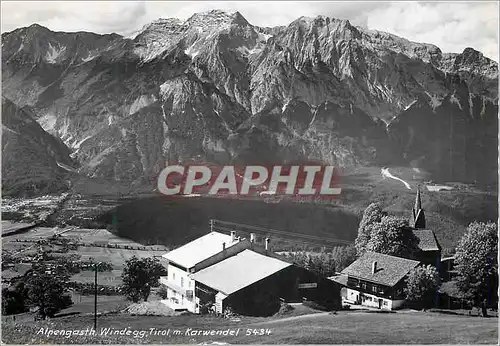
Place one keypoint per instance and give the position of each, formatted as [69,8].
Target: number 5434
[258,332]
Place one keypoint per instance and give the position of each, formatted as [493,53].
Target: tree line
[45,286]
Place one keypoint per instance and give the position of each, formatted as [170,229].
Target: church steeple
[418,200]
[418,212]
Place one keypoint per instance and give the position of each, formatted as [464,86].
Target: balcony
[164,281]
[176,305]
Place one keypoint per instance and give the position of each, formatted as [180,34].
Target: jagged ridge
[215,87]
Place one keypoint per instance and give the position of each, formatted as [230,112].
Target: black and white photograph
[249,172]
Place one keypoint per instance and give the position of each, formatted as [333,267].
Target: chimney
[252,237]
[267,243]
[233,236]
[374,267]
[223,246]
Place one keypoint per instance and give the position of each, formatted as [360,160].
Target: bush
[229,313]
[163,292]
[14,300]
[206,308]
[284,309]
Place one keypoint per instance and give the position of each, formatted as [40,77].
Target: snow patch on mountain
[434,101]
[54,53]
[215,146]
[191,52]
[63,131]
[78,144]
[142,102]
[20,48]
[471,104]
[264,37]
[411,104]
[89,57]
[152,51]
[249,51]
[48,122]
[284,106]
[66,167]
[455,100]
[165,88]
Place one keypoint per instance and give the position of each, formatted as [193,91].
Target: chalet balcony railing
[164,281]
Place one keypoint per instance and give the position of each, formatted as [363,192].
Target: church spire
[418,212]
[418,201]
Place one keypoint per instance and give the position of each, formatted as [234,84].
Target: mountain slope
[33,161]
[216,88]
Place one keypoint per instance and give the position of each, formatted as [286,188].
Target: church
[430,250]
[377,280]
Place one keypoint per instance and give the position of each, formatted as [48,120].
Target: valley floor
[345,327]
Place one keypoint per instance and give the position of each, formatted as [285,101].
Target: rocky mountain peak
[163,35]
[216,87]
[327,26]
[384,41]
[216,18]
[472,57]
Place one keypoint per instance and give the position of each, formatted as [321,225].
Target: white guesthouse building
[191,258]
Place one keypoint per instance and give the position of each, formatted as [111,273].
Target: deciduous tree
[139,276]
[372,214]
[343,256]
[477,266]
[47,289]
[422,285]
[14,299]
[393,236]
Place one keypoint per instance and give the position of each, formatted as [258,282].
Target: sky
[452,26]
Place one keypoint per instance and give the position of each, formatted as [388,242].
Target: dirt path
[293,318]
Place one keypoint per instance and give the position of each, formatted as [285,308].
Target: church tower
[418,213]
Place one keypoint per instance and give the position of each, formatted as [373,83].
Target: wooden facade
[263,298]
[394,293]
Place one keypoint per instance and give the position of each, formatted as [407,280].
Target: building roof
[199,249]
[239,271]
[390,269]
[428,241]
[339,278]
[418,201]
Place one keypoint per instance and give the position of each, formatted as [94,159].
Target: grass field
[320,328]
[116,256]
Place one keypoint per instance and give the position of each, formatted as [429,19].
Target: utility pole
[95,297]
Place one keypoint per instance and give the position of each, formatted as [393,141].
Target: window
[363,285]
[182,282]
[189,284]
[173,276]
[374,288]
[385,302]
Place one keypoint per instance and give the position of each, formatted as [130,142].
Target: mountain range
[216,88]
